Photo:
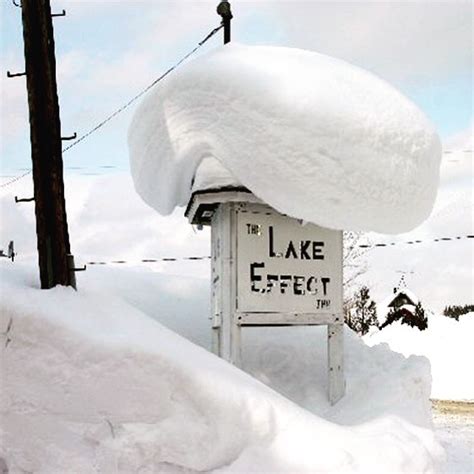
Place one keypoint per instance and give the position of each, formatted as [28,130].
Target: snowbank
[312,136]
[447,343]
[91,384]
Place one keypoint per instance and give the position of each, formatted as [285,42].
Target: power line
[15,179]
[414,242]
[207,257]
[149,260]
[126,105]
[144,91]
[225,24]
[447,152]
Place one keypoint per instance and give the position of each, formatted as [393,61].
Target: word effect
[295,284]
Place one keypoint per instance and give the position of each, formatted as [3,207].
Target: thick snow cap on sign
[312,136]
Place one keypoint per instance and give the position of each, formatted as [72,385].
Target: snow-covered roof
[408,307]
[385,306]
[400,291]
[408,293]
[312,136]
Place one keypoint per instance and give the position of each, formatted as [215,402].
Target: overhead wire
[141,93]
[127,104]
[208,257]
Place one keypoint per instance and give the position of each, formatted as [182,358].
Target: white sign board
[284,266]
[270,270]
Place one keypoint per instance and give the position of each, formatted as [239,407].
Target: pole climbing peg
[15,74]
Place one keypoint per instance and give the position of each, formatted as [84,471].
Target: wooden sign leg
[216,341]
[337,383]
[236,345]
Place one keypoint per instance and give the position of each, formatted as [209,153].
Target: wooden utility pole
[223,9]
[46,150]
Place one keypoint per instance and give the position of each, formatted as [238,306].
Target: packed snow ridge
[92,384]
[312,136]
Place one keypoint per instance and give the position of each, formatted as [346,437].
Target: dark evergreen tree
[392,316]
[414,319]
[457,310]
[362,313]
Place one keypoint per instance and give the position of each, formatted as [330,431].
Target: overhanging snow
[314,137]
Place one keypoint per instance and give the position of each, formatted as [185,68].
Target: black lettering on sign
[271,251]
[254,229]
[271,282]
[317,251]
[254,278]
[304,247]
[284,283]
[312,285]
[325,281]
[291,251]
[298,285]
[321,304]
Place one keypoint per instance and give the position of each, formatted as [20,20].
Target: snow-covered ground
[290,361]
[99,386]
[454,424]
[447,344]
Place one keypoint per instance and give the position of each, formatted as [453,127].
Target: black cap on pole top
[223,9]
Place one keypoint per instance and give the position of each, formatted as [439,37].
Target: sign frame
[228,320]
[285,267]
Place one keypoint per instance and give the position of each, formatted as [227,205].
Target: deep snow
[108,222]
[447,343]
[92,384]
[312,136]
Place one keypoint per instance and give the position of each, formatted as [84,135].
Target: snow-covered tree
[353,261]
[354,266]
[406,315]
[363,312]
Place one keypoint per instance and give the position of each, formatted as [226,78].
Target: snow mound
[312,136]
[91,384]
[447,343]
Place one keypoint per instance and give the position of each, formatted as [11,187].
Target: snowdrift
[92,384]
[447,343]
[312,136]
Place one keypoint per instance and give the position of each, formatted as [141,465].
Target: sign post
[271,270]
